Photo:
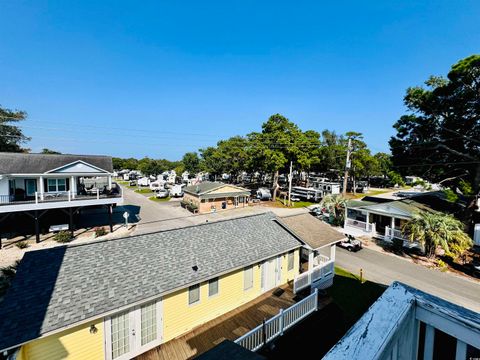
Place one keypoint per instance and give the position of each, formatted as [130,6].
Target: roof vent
[195,268]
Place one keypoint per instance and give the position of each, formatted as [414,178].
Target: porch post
[109,182]
[310,260]
[392,223]
[41,187]
[332,252]
[37,227]
[109,208]
[367,221]
[73,186]
[70,215]
[429,339]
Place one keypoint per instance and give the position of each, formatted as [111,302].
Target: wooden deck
[229,326]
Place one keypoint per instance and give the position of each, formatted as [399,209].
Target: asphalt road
[384,269]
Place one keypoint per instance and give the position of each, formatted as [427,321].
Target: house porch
[229,326]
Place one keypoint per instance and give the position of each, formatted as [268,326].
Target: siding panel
[74,344]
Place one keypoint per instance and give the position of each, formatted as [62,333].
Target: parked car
[351,244]
[162,194]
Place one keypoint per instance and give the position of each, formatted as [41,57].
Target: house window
[248,278]
[213,287]
[193,294]
[56,185]
[291,257]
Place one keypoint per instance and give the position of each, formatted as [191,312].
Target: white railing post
[316,299]
[69,195]
[98,194]
[36,197]
[280,324]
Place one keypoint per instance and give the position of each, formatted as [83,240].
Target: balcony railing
[59,196]
[321,272]
[275,326]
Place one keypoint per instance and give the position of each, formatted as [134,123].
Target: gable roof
[60,287]
[402,208]
[20,163]
[211,189]
[312,231]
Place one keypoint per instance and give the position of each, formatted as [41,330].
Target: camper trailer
[327,187]
[264,194]
[177,190]
[310,194]
[157,185]
[145,181]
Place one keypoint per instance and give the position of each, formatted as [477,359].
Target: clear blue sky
[162,78]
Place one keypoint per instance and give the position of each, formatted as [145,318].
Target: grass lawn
[352,296]
[324,328]
[144,191]
[297,204]
[153,198]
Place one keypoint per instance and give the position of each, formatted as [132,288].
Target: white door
[271,273]
[134,331]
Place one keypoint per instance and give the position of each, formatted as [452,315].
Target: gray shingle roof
[314,232]
[58,287]
[20,163]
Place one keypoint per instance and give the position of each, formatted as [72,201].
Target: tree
[11,136]
[435,230]
[191,161]
[212,161]
[384,162]
[233,154]
[277,145]
[335,204]
[51,152]
[440,136]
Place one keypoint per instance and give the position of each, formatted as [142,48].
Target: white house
[36,183]
[406,323]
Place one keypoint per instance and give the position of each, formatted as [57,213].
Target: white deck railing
[316,274]
[275,326]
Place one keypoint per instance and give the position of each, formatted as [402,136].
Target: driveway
[151,216]
[385,269]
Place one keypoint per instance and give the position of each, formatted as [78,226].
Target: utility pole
[290,185]
[347,166]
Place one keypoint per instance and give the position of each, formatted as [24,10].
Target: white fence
[275,326]
[317,274]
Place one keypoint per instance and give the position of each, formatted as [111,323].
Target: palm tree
[335,204]
[434,230]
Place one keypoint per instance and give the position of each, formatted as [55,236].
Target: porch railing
[362,225]
[391,234]
[58,196]
[275,326]
[316,274]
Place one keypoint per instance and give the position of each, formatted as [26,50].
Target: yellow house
[116,299]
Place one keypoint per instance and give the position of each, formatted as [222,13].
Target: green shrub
[21,244]
[63,237]
[100,231]
[450,195]
[442,265]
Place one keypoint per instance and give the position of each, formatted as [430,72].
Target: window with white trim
[291,258]
[56,185]
[193,294]
[248,278]
[213,287]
